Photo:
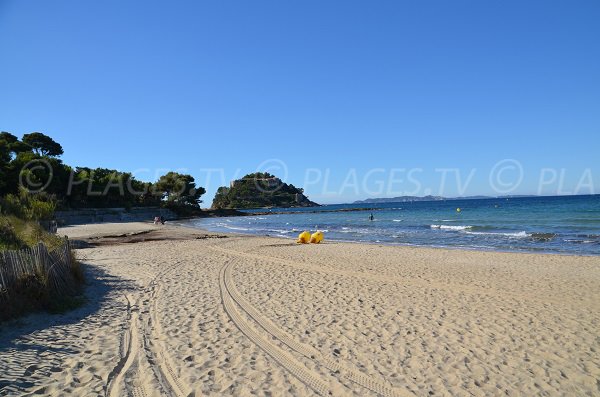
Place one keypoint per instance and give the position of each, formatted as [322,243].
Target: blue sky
[353,91]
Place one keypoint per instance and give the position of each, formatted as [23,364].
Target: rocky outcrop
[260,190]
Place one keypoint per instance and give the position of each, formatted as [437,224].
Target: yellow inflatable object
[304,237]
[316,237]
[458,210]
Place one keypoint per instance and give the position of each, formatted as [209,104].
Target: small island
[260,190]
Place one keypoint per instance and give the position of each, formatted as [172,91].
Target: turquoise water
[565,224]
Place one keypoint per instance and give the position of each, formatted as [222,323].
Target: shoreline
[559,225]
[390,244]
[177,310]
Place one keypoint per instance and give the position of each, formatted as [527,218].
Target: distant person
[371,217]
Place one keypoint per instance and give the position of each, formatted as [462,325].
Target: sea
[561,224]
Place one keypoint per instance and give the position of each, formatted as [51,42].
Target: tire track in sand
[285,359]
[129,354]
[154,330]
[142,317]
[346,370]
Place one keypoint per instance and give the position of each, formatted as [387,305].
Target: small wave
[450,227]
[522,234]
[243,229]
[396,220]
[280,231]
[578,241]
[356,231]
[486,227]
[285,236]
[593,236]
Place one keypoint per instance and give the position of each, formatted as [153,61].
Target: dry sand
[172,312]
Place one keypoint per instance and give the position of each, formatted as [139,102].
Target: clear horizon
[347,100]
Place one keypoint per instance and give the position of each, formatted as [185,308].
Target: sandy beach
[173,311]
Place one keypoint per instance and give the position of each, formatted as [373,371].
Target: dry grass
[38,270]
[16,233]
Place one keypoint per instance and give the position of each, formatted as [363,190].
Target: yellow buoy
[304,237]
[316,237]
[458,210]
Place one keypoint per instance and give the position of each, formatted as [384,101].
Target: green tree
[4,153]
[8,138]
[4,159]
[15,146]
[259,190]
[179,189]
[32,165]
[42,144]
[37,173]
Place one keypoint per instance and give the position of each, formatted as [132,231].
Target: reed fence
[53,269]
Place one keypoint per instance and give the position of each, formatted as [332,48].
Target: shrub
[27,234]
[35,207]
[31,286]
[8,236]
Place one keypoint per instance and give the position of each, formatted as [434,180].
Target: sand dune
[195,316]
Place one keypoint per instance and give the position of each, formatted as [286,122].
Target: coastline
[549,225]
[219,314]
[293,237]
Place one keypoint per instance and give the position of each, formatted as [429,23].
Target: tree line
[31,166]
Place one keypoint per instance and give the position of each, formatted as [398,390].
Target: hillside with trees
[260,190]
[33,163]
[38,269]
